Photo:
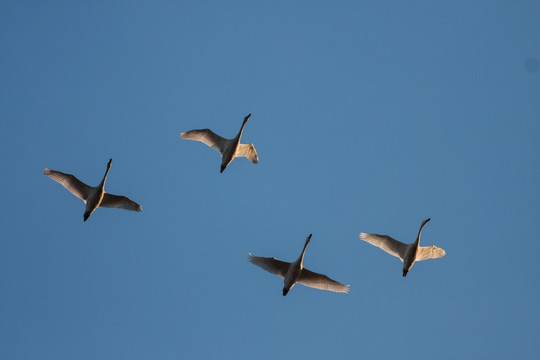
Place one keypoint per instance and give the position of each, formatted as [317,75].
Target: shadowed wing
[429,252]
[207,137]
[270,264]
[70,182]
[385,242]
[320,281]
[119,202]
[248,151]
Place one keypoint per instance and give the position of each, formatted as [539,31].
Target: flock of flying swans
[291,273]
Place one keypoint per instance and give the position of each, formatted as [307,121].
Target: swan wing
[207,137]
[320,281]
[248,151]
[388,244]
[270,264]
[429,252]
[119,202]
[70,182]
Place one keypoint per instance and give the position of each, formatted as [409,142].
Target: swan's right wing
[70,182]
[320,281]
[119,202]
[248,151]
[207,137]
[429,252]
[385,242]
[270,264]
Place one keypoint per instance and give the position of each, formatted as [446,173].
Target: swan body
[93,197]
[407,253]
[228,148]
[295,272]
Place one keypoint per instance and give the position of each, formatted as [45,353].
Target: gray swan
[93,197]
[228,148]
[407,253]
[295,272]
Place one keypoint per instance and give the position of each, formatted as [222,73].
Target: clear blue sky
[368,116]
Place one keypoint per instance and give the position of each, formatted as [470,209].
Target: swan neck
[417,242]
[301,258]
[241,129]
[102,184]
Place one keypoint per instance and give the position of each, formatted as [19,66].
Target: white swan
[408,253]
[228,148]
[93,197]
[295,272]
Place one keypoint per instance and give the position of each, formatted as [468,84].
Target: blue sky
[367,117]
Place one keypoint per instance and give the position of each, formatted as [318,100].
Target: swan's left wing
[429,252]
[248,151]
[270,264]
[70,182]
[386,243]
[208,137]
[119,202]
[320,281]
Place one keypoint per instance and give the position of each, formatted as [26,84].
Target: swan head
[246,118]
[109,163]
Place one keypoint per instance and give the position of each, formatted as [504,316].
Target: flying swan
[93,197]
[407,253]
[228,148]
[295,272]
